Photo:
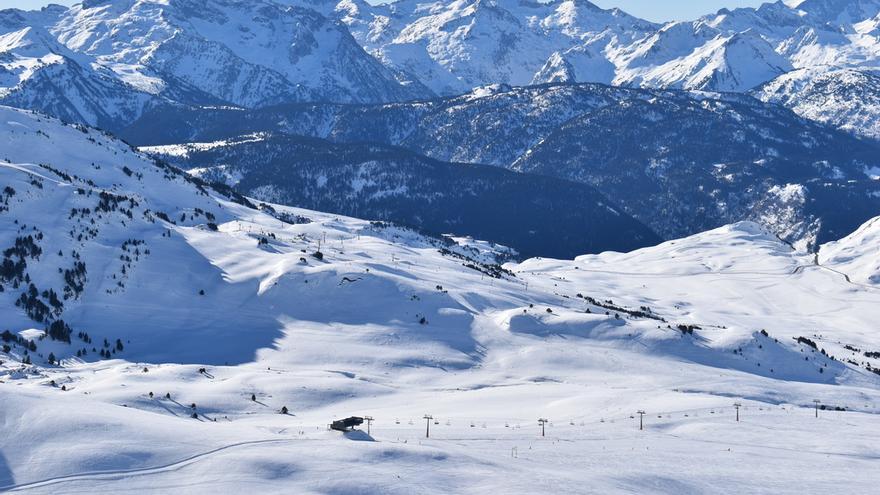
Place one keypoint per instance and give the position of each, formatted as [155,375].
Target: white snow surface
[387,325]
[857,255]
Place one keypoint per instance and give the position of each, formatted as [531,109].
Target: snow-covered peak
[247,53]
[27,42]
[35,42]
[454,46]
[193,52]
[728,62]
[25,52]
[38,72]
[581,17]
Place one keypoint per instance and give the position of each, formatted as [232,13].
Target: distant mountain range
[680,126]
[110,60]
[478,42]
[454,46]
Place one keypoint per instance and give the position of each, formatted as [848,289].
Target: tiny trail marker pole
[817,402]
[428,419]
[543,422]
[369,420]
[641,419]
[736,406]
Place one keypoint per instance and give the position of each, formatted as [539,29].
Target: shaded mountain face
[677,163]
[690,165]
[537,216]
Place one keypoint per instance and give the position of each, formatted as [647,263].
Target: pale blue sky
[654,10]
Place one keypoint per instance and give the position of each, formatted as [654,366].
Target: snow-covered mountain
[679,162]
[37,72]
[179,335]
[740,49]
[245,53]
[115,56]
[736,61]
[847,99]
[149,53]
[453,46]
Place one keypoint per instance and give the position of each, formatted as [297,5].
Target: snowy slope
[393,324]
[857,255]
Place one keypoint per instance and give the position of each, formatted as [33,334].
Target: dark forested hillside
[535,215]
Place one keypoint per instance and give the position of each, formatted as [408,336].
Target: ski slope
[237,314]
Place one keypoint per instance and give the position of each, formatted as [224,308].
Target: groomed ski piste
[209,315]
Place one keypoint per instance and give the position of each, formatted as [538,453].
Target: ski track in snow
[120,474]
